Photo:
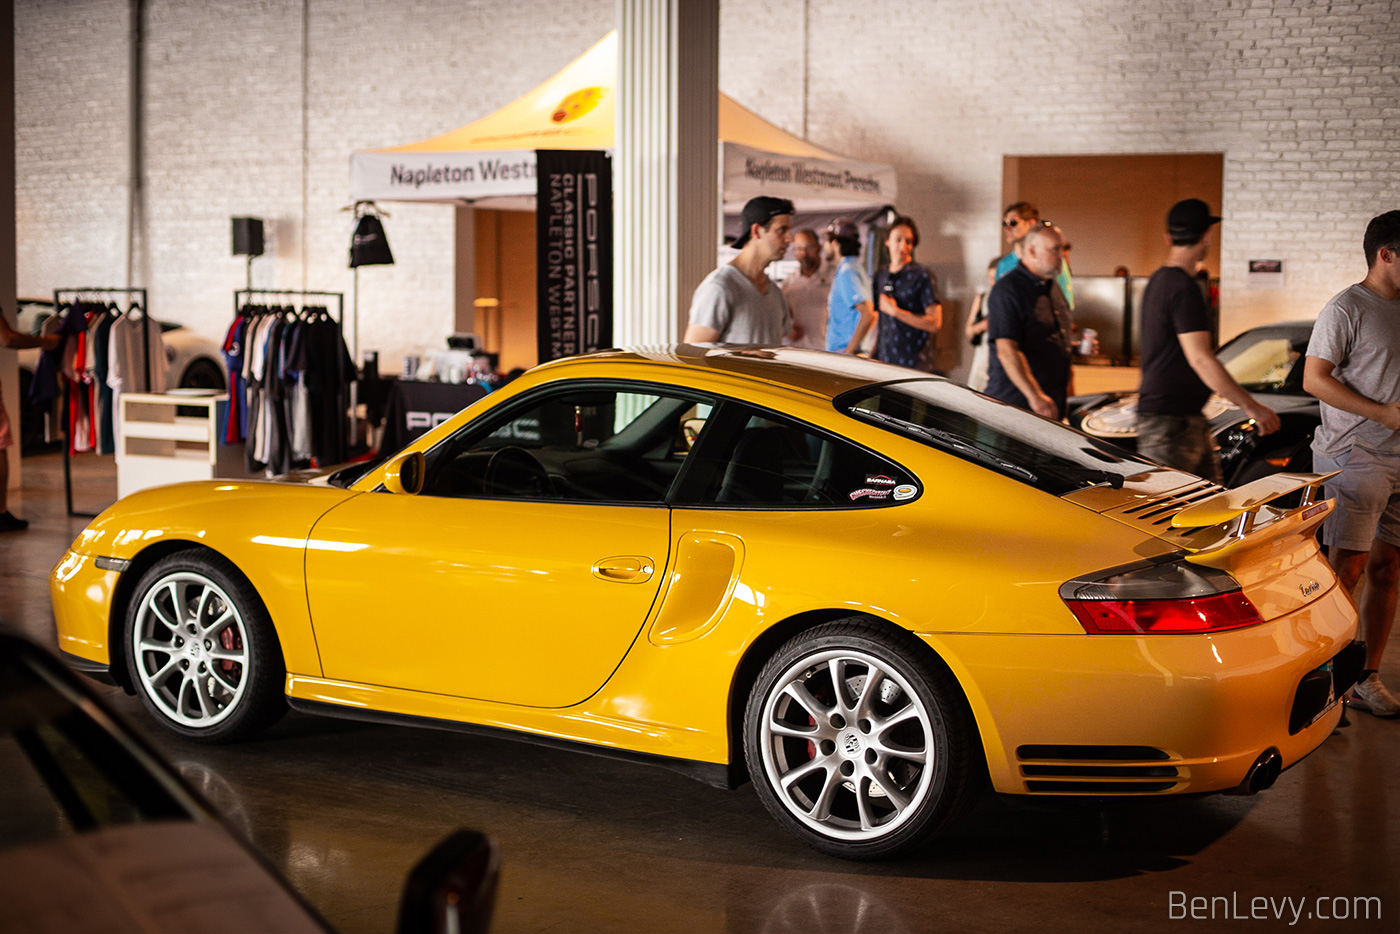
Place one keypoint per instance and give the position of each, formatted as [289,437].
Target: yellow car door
[527,565]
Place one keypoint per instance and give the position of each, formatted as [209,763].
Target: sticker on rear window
[905,491]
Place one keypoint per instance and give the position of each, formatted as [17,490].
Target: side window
[573,445]
[759,459]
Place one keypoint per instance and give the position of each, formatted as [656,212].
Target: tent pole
[355,359]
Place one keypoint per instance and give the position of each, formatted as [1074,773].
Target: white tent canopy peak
[491,161]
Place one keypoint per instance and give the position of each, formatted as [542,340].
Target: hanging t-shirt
[127,363]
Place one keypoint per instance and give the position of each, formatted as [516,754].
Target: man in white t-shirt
[807,290]
[1353,367]
[738,303]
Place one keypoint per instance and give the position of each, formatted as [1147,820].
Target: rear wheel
[202,651]
[858,743]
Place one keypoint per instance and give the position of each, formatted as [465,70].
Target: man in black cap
[738,303]
[1179,367]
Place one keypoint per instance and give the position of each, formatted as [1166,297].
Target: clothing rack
[243,297]
[62,298]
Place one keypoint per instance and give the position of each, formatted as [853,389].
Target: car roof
[813,371]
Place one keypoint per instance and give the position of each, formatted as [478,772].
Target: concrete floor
[592,845]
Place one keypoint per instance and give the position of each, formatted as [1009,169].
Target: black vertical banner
[573,224]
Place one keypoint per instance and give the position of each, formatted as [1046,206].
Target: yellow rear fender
[771,640]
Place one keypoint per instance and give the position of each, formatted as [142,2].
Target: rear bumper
[1148,715]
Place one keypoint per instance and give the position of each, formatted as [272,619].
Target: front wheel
[858,743]
[202,651]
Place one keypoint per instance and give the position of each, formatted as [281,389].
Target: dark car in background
[98,833]
[1268,362]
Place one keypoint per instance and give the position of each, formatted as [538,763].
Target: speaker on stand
[248,240]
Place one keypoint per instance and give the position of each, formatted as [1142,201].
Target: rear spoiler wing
[1237,511]
[1241,505]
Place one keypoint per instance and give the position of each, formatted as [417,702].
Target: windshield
[1011,441]
[1267,359]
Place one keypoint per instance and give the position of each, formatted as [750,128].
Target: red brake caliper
[230,640]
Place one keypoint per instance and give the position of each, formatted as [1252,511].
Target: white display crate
[157,444]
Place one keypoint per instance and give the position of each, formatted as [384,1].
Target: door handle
[624,569]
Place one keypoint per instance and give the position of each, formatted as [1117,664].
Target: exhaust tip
[1262,774]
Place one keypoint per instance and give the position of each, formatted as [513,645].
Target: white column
[665,164]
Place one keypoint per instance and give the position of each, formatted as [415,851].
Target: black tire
[227,682]
[869,776]
[202,373]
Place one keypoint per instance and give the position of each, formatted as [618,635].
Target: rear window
[1045,454]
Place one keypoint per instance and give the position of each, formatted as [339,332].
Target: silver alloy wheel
[191,649]
[847,745]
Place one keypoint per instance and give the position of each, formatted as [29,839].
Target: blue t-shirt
[849,288]
[912,290]
[1032,312]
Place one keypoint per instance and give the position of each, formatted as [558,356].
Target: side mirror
[404,474]
[452,890]
[690,429]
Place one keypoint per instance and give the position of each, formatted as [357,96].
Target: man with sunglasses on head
[1019,219]
[1028,326]
[738,303]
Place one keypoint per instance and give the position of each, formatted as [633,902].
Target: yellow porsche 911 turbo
[868,589]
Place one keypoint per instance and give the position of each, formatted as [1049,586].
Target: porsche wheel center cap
[850,745]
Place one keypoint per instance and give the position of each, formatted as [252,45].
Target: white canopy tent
[491,162]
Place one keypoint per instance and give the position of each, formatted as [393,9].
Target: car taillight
[1162,597]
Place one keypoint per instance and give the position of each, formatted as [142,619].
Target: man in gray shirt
[1353,367]
[738,303]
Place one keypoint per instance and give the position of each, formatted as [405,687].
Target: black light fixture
[248,240]
[247,236]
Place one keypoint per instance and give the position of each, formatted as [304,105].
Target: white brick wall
[1300,96]
[224,136]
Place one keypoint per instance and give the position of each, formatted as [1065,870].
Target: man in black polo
[1179,366]
[1028,325]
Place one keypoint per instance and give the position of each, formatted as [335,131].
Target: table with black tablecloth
[414,406]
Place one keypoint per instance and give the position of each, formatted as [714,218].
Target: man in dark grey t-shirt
[1179,366]
[1353,367]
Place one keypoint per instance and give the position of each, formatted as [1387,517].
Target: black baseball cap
[1190,218]
[760,210]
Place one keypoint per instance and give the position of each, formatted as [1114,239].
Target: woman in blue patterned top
[909,306]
